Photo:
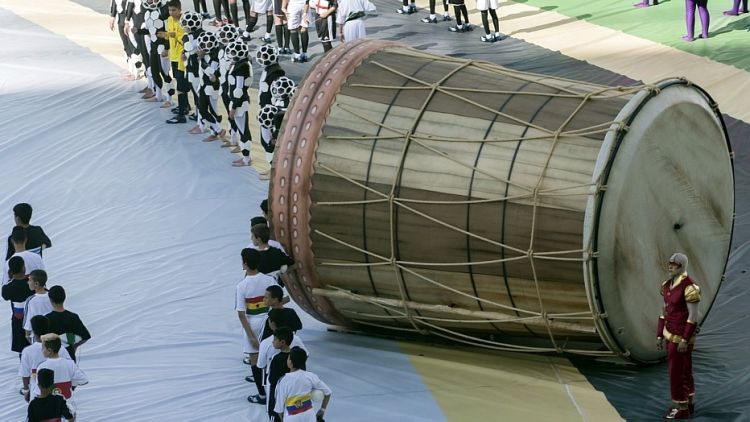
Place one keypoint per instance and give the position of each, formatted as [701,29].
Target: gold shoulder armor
[692,293]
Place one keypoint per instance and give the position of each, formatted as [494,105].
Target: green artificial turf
[729,37]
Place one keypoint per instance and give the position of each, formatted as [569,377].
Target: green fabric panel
[729,36]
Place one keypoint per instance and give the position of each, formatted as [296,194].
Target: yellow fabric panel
[482,385]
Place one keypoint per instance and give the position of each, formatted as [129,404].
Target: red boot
[676,413]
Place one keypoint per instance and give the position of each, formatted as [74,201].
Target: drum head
[669,188]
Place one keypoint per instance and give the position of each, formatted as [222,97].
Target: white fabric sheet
[147,224]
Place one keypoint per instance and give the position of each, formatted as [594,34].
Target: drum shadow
[551,25]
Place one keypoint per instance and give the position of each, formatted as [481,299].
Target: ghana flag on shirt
[298,404]
[255,306]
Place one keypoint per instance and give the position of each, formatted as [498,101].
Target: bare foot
[148,94]
[640,5]
[731,13]
[240,163]
[144,90]
[225,144]
[211,138]
[222,134]
[196,130]
[152,99]
[688,38]
[235,150]
[166,104]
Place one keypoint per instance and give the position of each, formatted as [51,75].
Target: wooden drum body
[499,208]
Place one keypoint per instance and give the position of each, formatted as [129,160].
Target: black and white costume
[227,34]
[268,58]
[209,88]
[117,11]
[135,17]
[271,115]
[192,24]
[239,79]
[155,19]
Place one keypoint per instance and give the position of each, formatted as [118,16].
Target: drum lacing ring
[622,127]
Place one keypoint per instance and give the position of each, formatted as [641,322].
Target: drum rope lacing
[407,310]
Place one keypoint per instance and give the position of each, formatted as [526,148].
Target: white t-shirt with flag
[31,357]
[249,299]
[294,396]
[31,260]
[267,352]
[67,376]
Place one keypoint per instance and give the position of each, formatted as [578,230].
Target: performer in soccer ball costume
[227,34]
[192,24]
[271,115]
[155,20]
[117,10]
[239,79]
[268,59]
[135,16]
[677,325]
[208,92]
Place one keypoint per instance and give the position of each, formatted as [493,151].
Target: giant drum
[515,211]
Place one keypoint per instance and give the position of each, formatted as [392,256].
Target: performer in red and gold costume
[677,325]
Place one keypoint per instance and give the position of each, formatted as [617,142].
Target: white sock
[497,34]
[405,8]
[432,16]
[445,14]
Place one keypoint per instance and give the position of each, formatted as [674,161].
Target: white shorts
[261,7]
[294,16]
[486,4]
[257,323]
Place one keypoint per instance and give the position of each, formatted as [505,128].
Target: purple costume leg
[644,3]
[689,19]
[736,8]
[705,18]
